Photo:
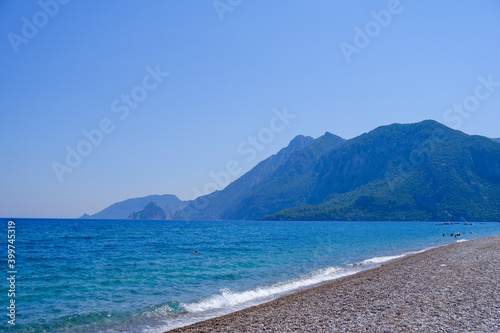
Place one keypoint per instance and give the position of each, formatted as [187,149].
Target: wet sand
[454,288]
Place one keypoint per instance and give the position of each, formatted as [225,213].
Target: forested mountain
[405,172]
[216,206]
[423,171]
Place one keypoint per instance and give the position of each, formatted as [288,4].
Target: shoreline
[448,288]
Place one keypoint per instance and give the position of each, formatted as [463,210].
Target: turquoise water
[140,276]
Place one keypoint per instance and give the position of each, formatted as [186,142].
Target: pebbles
[454,288]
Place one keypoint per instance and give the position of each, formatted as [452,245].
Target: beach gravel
[454,288]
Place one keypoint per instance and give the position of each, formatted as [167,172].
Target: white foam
[462,240]
[228,298]
[379,260]
[426,249]
[228,301]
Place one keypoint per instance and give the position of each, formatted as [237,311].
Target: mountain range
[423,171]
[123,209]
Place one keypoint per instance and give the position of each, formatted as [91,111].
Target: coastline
[449,288]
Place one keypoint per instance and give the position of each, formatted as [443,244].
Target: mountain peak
[151,212]
[300,139]
[299,142]
[421,171]
[122,209]
[427,123]
[327,142]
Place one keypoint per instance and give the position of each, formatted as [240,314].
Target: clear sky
[108,100]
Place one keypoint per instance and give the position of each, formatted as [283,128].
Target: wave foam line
[380,260]
[228,298]
[383,259]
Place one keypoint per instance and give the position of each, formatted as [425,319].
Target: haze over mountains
[123,209]
[423,171]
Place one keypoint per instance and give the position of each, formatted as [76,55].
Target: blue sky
[172,92]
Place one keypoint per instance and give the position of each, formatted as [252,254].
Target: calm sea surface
[141,276]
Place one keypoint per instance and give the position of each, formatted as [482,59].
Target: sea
[111,276]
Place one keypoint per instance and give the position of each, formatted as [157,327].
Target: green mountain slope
[214,206]
[422,171]
[288,186]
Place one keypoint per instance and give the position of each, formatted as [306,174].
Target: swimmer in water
[195,252]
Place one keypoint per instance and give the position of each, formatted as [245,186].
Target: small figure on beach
[195,252]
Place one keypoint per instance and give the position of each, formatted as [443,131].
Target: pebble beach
[453,288]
